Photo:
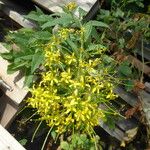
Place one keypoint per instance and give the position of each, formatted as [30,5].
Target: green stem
[36,131]
[46,137]
[141,80]
[30,117]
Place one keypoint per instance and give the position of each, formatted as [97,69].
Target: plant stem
[141,80]
[46,137]
[36,131]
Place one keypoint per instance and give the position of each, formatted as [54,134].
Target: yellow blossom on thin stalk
[71,6]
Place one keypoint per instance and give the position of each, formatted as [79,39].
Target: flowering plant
[77,75]
[76,81]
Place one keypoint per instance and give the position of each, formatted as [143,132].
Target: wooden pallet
[7,141]
[124,127]
[16,13]
[11,100]
[55,5]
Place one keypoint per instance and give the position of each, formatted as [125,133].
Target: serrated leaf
[7,56]
[28,80]
[42,35]
[99,24]
[26,57]
[73,46]
[62,21]
[88,31]
[41,18]
[37,59]
[15,67]
[10,70]
[38,10]
[95,34]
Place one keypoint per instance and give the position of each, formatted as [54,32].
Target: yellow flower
[70,59]
[64,33]
[71,6]
[66,76]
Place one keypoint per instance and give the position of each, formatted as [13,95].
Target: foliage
[76,80]
[26,53]
[80,141]
[128,27]
[76,74]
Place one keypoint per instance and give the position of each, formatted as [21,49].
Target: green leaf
[82,12]
[99,24]
[54,135]
[37,59]
[42,35]
[38,10]
[64,145]
[62,21]
[41,18]
[23,142]
[15,67]
[107,59]
[88,31]
[125,69]
[28,80]
[21,58]
[7,56]
[73,46]
[129,85]
[118,13]
[95,34]
[10,70]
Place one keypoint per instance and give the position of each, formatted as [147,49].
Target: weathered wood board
[8,142]
[16,13]
[145,100]
[128,97]
[18,93]
[11,100]
[123,128]
[55,5]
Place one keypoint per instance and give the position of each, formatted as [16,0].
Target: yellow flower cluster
[71,90]
[64,33]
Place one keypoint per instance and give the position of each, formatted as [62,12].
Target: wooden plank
[93,11]
[127,124]
[18,93]
[116,133]
[16,13]
[125,129]
[146,54]
[54,5]
[126,96]
[139,65]
[8,109]
[146,49]
[8,142]
[147,86]
[145,100]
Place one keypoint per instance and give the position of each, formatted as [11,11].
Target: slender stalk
[141,80]
[30,117]
[21,110]
[36,131]
[46,137]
